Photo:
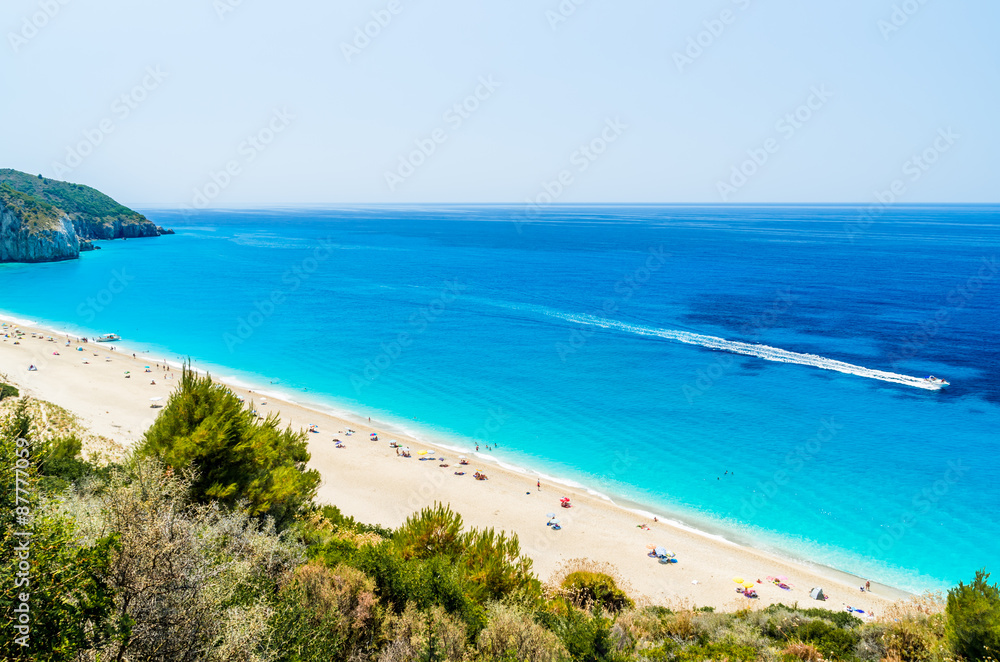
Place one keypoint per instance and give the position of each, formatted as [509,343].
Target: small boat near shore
[108,337]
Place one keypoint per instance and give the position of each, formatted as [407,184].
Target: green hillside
[33,212]
[71,198]
[83,204]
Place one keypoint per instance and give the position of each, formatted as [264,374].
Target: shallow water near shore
[573,343]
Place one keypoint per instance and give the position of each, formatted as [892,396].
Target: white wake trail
[761,351]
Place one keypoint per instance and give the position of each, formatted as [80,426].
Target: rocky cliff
[31,231]
[94,215]
[54,206]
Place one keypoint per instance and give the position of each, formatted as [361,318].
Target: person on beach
[477,448]
[868,586]
[538,484]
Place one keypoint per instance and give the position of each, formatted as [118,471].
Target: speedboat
[940,383]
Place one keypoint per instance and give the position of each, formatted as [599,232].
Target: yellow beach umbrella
[738,580]
[748,584]
[421,452]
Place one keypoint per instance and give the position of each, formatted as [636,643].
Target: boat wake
[748,349]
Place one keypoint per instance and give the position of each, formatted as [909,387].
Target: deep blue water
[559,340]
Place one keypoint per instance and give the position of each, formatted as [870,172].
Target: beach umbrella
[554,521]
[564,499]
[550,514]
[156,399]
[421,452]
[738,580]
[651,545]
[747,584]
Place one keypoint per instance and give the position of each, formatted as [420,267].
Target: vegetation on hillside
[77,200]
[206,545]
[33,212]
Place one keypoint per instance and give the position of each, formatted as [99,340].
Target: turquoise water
[573,341]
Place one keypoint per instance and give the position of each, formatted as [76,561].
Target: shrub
[830,640]
[512,634]
[973,629]
[586,635]
[910,640]
[717,651]
[424,635]
[236,457]
[431,532]
[8,391]
[804,652]
[588,589]
[327,614]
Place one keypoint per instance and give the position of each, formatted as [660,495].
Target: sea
[753,372]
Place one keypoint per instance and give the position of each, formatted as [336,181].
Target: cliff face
[47,219]
[22,241]
[114,228]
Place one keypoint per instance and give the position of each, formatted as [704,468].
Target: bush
[236,457]
[325,614]
[588,589]
[8,391]
[804,652]
[586,635]
[973,610]
[830,640]
[910,640]
[511,634]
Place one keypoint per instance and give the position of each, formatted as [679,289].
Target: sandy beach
[368,480]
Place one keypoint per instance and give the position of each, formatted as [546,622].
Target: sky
[227,103]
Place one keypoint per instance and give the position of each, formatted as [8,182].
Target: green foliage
[327,614]
[434,531]
[237,458]
[910,640]
[490,564]
[585,634]
[830,640]
[973,626]
[717,651]
[596,588]
[32,211]
[341,521]
[8,391]
[74,199]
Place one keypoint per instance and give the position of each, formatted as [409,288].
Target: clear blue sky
[673,129]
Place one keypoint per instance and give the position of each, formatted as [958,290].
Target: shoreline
[599,520]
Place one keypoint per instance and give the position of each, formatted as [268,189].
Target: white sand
[369,481]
